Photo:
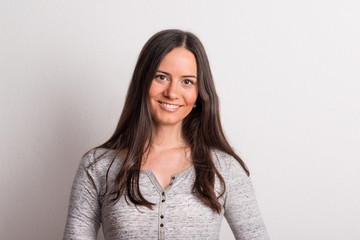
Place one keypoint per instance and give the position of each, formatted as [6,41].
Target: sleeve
[83,219]
[241,209]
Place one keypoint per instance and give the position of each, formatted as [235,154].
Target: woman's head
[174,89]
[137,105]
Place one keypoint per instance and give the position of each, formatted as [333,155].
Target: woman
[168,171]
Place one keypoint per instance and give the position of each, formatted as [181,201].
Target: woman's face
[174,89]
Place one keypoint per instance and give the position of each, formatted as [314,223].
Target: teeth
[170,105]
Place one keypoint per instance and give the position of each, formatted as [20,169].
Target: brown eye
[188,82]
[161,77]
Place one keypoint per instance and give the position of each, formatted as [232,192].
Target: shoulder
[227,165]
[96,166]
[98,161]
[98,157]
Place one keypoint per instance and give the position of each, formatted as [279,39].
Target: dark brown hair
[201,128]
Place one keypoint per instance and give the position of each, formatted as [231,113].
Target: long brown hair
[201,128]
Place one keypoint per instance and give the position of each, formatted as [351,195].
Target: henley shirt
[177,213]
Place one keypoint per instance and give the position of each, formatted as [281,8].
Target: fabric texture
[177,213]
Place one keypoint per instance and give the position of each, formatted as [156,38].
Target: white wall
[287,73]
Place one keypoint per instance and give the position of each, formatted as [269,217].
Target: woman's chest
[176,213]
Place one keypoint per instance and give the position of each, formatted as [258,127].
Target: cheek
[154,90]
[191,97]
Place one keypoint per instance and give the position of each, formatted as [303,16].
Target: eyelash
[189,81]
[163,78]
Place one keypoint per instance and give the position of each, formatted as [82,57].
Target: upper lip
[170,103]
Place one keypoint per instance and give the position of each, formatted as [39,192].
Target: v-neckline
[174,178]
[156,182]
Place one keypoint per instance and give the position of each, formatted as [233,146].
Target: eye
[188,82]
[161,77]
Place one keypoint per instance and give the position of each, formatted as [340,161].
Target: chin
[167,122]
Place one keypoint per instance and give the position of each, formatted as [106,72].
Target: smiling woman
[168,171]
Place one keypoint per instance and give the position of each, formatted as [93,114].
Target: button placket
[162,215]
[172,180]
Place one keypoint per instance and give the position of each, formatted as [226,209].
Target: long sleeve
[83,220]
[241,209]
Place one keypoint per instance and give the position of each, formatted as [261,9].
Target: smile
[169,107]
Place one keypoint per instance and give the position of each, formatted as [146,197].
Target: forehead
[179,61]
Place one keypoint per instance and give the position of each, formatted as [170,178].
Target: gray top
[178,214]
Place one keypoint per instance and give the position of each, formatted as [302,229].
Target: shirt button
[162,216]
[161,225]
[163,200]
[173,178]
[163,193]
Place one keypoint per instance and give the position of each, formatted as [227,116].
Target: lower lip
[168,109]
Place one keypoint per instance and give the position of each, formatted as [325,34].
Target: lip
[169,107]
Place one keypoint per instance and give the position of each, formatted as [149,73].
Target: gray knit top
[177,213]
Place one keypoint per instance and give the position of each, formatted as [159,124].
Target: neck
[167,137]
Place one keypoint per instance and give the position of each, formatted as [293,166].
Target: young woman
[168,171]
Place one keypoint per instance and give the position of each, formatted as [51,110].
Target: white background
[287,73]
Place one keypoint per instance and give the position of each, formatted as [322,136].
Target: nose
[171,91]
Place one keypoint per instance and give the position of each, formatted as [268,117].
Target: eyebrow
[187,76]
